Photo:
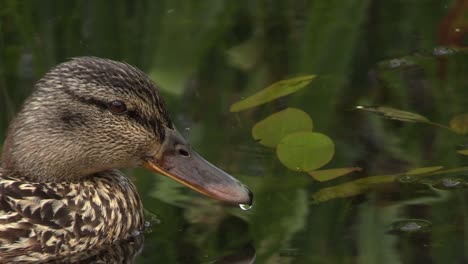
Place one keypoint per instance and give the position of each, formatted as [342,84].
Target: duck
[61,186]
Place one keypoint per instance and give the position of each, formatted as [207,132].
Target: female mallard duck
[60,190]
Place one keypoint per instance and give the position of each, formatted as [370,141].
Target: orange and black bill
[179,161]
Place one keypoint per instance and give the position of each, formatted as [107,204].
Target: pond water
[208,55]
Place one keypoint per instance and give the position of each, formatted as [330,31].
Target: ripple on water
[407,179]
[450,184]
[411,225]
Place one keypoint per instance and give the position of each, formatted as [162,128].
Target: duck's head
[91,115]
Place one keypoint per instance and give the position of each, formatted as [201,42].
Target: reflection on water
[210,54]
[245,255]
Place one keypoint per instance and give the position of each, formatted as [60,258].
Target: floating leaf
[351,188]
[459,124]
[305,151]
[330,174]
[272,129]
[463,152]
[395,114]
[360,186]
[272,92]
[423,170]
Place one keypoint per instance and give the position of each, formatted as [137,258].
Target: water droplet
[245,207]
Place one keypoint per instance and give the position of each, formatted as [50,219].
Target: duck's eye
[117,107]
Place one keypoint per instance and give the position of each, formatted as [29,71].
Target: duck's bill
[178,161]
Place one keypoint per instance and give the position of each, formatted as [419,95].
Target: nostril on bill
[183,152]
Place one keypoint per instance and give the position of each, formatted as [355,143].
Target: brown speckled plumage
[39,220]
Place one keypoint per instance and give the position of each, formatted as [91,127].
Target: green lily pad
[305,151]
[272,92]
[459,124]
[330,174]
[395,114]
[272,129]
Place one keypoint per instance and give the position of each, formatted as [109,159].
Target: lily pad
[330,174]
[395,114]
[272,129]
[305,151]
[459,124]
[272,92]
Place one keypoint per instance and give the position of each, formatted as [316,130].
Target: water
[210,54]
[245,207]
[407,179]
[450,184]
[411,225]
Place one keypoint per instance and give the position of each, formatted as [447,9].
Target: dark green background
[207,55]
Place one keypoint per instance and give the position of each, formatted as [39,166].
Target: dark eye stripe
[87,100]
[133,115]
